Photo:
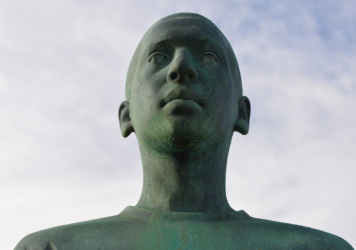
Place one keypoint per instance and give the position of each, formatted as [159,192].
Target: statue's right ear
[125,120]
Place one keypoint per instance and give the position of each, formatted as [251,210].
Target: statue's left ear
[243,120]
[125,120]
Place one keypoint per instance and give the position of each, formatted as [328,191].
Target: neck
[185,181]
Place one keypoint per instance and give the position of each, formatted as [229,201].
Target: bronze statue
[184,102]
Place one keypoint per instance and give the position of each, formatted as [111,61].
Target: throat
[185,182]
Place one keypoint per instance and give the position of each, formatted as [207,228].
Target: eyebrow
[202,42]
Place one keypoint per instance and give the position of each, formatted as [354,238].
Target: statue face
[183,97]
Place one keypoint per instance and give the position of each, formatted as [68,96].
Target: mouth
[181,95]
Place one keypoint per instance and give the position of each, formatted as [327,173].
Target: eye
[208,57]
[157,57]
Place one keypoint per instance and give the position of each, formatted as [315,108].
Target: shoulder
[79,234]
[299,236]
[38,241]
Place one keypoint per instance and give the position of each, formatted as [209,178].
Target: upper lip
[183,94]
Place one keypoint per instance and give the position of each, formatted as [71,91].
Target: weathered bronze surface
[184,102]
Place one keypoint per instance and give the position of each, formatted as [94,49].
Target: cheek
[148,84]
[216,84]
[221,108]
[148,74]
[145,98]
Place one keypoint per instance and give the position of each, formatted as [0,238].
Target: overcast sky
[63,66]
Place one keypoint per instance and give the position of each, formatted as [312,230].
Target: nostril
[190,76]
[174,76]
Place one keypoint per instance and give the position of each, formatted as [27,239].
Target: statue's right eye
[157,58]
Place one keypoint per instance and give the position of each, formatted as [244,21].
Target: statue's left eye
[208,57]
[157,58]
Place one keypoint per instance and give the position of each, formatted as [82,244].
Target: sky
[63,67]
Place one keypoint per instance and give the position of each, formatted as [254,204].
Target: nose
[182,70]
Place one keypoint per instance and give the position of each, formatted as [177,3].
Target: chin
[179,142]
[179,135]
[172,143]
[179,132]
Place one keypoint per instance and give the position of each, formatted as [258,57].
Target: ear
[125,120]
[243,120]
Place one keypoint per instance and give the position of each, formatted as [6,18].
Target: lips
[182,94]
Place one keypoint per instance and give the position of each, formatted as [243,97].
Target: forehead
[184,30]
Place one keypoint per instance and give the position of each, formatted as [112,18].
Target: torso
[137,228]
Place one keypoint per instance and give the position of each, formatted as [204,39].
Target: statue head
[183,87]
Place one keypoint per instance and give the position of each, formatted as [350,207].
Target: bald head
[184,77]
[203,23]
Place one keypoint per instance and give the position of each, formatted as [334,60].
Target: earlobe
[243,120]
[125,120]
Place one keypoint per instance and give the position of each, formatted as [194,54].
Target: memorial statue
[184,102]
